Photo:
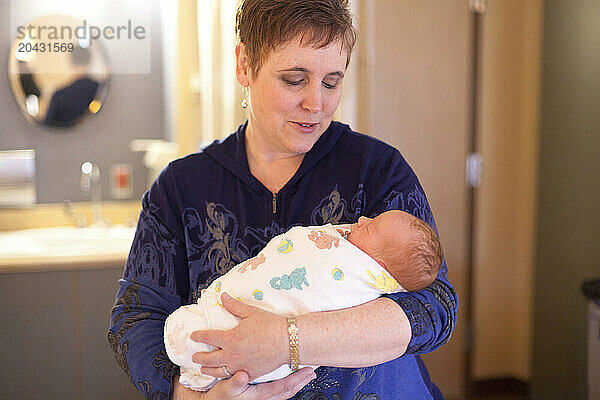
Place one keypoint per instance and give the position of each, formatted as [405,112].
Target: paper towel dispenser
[17,178]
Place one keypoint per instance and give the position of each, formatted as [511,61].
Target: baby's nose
[362,220]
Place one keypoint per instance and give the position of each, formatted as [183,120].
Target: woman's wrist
[325,337]
[282,346]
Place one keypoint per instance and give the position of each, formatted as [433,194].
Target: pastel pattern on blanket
[304,270]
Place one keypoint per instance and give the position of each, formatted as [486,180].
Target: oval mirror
[58,73]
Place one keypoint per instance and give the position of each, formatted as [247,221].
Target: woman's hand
[238,388]
[257,345]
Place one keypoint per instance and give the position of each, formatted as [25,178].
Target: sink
[65,244]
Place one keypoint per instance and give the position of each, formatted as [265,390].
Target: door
[414,58]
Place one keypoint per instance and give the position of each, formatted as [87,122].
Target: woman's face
[292,97]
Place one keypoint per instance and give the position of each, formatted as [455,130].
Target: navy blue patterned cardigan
[206,212]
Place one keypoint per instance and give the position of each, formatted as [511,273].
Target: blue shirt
[206,213]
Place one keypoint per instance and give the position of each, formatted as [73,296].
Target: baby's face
[371,234]
[368,233]
[361,234]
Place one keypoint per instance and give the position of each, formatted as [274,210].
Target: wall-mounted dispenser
[17,178]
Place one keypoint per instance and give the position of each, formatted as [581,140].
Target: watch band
[293,337]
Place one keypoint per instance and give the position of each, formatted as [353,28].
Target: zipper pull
[274,203]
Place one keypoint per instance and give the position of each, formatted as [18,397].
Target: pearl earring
[244,102]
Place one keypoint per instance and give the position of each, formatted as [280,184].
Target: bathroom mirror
[57,70]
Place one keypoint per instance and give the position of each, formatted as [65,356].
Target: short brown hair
[264,25]
[426,255]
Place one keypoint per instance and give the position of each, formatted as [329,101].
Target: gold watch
[293,337]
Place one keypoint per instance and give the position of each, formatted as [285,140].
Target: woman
[288,165]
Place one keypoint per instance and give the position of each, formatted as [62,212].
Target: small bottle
[121,183]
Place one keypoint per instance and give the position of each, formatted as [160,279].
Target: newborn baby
[308,269]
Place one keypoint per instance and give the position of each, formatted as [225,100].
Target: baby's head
[404,245]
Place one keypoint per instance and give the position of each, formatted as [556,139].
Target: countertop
[64,248]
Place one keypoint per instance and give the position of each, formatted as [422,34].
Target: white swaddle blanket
[304,270]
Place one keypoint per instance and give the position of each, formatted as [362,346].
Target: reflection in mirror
[58,72]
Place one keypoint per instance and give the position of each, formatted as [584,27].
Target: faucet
[73,215]
[92,186]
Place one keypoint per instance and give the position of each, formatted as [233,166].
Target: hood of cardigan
[231,153]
